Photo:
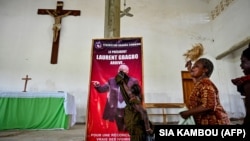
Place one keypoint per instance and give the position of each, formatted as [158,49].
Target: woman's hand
[188,65]
[149,131]
[184,114]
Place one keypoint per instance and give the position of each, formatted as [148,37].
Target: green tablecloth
[33,112]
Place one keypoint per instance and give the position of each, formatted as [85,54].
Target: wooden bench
[163,107]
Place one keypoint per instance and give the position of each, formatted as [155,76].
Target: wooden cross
[26,80]
[57,14]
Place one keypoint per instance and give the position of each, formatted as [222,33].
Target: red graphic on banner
[105,108]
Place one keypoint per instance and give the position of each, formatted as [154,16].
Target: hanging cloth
[121,78]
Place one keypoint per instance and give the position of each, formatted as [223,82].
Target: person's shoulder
[207,82]
[133,78]
[112,79]
[247,86]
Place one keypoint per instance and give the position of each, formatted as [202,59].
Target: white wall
[26,43]
[168,27]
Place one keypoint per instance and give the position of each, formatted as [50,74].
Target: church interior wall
[168,28]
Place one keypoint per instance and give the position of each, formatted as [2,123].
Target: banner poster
[104,113]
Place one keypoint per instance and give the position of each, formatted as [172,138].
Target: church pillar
[112,19]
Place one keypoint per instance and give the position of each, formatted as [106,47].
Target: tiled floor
[75,133]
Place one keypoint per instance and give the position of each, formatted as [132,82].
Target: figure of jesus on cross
[57,14]
[57,25]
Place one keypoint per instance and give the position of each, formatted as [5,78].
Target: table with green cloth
[37,110]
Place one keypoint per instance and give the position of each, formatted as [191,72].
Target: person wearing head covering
[135,116]
[115,104]
[243,83]
[204,103]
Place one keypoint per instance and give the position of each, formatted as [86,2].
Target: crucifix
[26,80]
[57,14]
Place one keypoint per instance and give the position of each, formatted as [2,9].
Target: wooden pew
[163,107]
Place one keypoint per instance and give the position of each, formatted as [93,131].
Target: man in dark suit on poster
[115,104]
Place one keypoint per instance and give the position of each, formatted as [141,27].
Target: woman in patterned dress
[204,103]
